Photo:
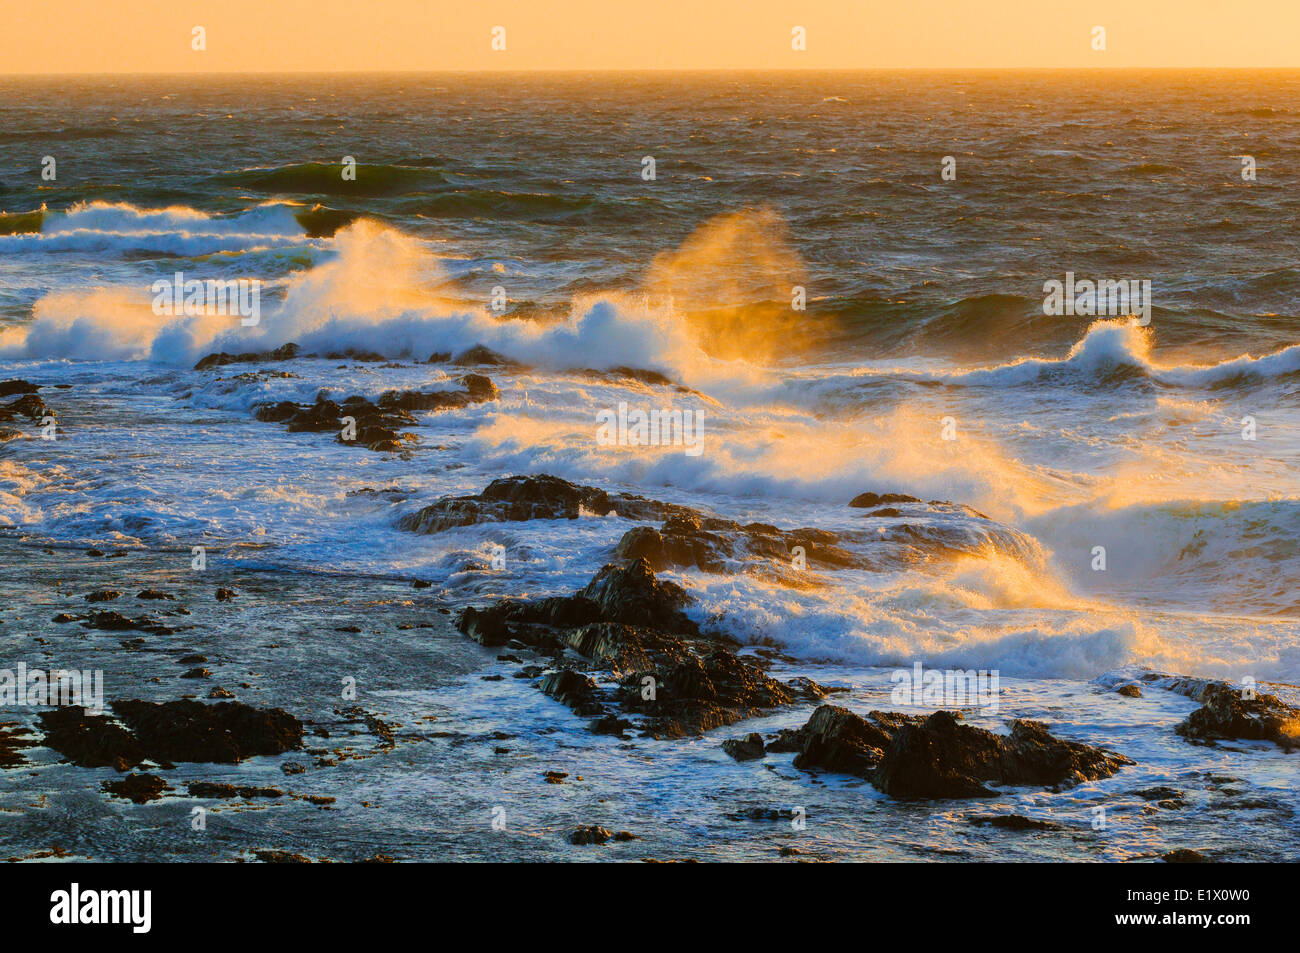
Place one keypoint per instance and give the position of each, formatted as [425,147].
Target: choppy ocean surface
[924,309]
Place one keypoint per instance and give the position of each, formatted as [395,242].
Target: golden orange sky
[60,36]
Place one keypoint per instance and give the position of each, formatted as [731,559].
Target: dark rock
[1225,714]
[518,499]
[17,386]
[1185,855]
[940,758]
[29,405]
[632,595]
[116,622]
[1013,822]
[12,740]
[153,594]
[868,500]
[590,834]
[225,595]
[480,355]
[717,545]
[280,857]
[747,748]
[1129,691]
[1159,794]
[216,790]
[837,740]
[226,732]
[92,741]
[572,689]
[484,626]
[285,352]
[103,595]
[197,673]
[139,788]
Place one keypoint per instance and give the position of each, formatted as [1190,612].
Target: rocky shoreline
[625,654]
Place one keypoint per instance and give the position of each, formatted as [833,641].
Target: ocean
[840,277]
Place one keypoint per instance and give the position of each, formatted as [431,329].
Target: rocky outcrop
[835,739]
[871,500]
[286,352]
[517,499]
[1229,713]
[140,788]
[718,545]
[17,386]
[936,756]
[183,730]
[941,758]
[630,626]
[748,748]
[377,423]
[29,405]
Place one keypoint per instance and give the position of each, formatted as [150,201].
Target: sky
[132,36]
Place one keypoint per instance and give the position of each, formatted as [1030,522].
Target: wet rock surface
[717,545]
[1231,713]
[377,424]
[140,788]
[936,756]
[630,626]
[182,730]
[517,499]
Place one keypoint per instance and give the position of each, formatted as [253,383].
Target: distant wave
[319,178]
[121,228]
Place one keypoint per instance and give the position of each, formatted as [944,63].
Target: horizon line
[570,71]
